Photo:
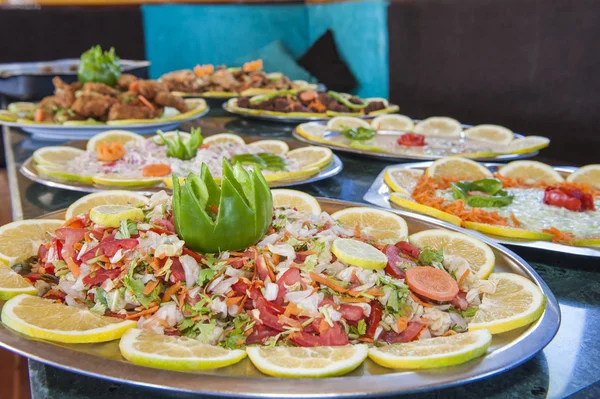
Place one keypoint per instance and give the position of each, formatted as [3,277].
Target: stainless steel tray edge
[379,194]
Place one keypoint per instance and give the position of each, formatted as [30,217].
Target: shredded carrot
[283,319]
[448,333]
[464,276]
[358,299]
[275,258]
[243,303]
[156,170]
[323,326]
[233,300]
[402,323]
[77,246]
[559,236]
[514,219]
[248,331]
[73,267]
[155,264]
[171,291]
[357,231]
[150,287]
[292,310]
[181,298]
[147,103]
[365,339]
[142,313]
[419,301]
[325,281]
[269,269]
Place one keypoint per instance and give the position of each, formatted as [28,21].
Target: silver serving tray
[28,170]
[379,194]
[243,380]
[286,119]
[403,158]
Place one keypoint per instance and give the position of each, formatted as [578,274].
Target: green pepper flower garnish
[184,150]
[211,219]
[264,160]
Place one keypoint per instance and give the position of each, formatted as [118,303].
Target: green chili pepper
[340,98]
[98,66]
[492,188]
[211,219]
[359,133]
[264,160]
[261,98]
[177,148]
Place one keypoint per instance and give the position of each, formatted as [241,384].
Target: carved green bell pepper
[235,216]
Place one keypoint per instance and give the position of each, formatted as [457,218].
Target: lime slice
[291,176]
[531,172]
[589,174]
[110,136]
[111,215]
[516,302]
[490,134]
[311,157]
[457,167]
[358,253]
[276,147]
[44,319]
[113,197]
[402,180]
[380,225]
[317,362]
[411,205]
[56,155]
[296,199]
[174,353]
[224,138]
[338,123]
[434,352]
[58,172]
[439,126]
[13,284]
[479,255]
[505,231]
[393,122]
[120,181]
[22,239]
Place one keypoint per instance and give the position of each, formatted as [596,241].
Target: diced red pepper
[374,318]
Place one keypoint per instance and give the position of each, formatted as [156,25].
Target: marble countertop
[568,366]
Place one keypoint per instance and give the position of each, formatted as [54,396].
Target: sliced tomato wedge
[412,140]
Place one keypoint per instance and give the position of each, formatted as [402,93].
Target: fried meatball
[168,100]
[125,80]
[120,111]
[150,88]
[184,80]
[64,92]
[93,105]
[100,88]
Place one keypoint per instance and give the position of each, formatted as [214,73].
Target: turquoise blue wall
[181,36]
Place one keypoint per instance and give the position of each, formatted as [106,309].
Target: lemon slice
[458,167]
[589,174]
[113,197]
[149,349]
[317,362]
[22,239]
[411,205]
[402,180]
[311,157]
[528,144]
[223,138]
[115,180]
[58,172]
[21,109]
[505,231]
[516,302]
[375,223]
[531,172]
[338,123]
[439,126]
[276,147]
[7,116]
[296,199]
[111,215]
[479,255]
[13,284]
[434,352]
[44,319]
[490,134]
[312,131]
[358,253]
[56,155]
[111,136]
[290,176]
[170,135]
[393,122]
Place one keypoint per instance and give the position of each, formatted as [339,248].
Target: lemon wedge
[111,215]
[439,126]
[56,155]
[528,144]
[22,239]
[114,180]
[276,147]
[58,172]
[296,199]
[111,136]
[291,176]
[380,225]
[589,174]
[402,180]
[223,138]
[531,172]
[338,123]
[13,284]
[311,157]
[490,134]
[457,167]
[358,253]
[112,197]
[393,122]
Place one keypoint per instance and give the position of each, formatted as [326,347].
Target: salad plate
[538,222]
[507,350]
[395,138]
[329,167]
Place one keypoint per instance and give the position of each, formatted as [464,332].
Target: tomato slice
[569,198]
[432,283]
[412,140]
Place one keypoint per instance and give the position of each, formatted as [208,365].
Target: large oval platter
[243,380]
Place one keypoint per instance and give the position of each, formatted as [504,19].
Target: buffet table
[568,366]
